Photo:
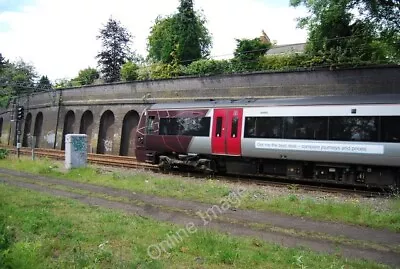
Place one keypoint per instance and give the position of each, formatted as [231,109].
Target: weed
[293,198]
[3,153]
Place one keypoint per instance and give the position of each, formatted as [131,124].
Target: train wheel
[164,166]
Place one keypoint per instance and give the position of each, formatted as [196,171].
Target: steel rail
[131,162]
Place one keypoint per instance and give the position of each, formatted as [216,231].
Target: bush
[161,71]
[129,71]
[208,67]
[283,62]
[3,153]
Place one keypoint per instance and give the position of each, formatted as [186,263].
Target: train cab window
[185,126]
[234,127]
[315,128]
[390,129]
[149,124]
[218,129]
[263,127]
[353,129]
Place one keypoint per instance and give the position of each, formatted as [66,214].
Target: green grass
[212,191]
[40,231]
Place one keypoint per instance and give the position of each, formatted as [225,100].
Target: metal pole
[33,142]
[18,137]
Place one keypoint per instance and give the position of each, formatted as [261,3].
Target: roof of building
[288,48]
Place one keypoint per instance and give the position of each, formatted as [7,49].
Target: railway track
[101,159]
[131,162]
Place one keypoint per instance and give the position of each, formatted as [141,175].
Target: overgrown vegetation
[212,191]
[3,153]
[39,231]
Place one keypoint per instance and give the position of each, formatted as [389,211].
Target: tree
[194,40]
[44,83]
[337,35]
[183,34]
[87,76]
[115,42]
[19,76]
[248,53]
[129,71]
[383,13]
[162,40]
[15,79]
[3,63]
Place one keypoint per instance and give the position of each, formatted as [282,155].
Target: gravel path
[231,220]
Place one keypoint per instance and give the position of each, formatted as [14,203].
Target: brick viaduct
[109,113]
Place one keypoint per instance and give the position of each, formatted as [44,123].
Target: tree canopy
[3,63]
[116,49]
[44,83]
[16,78]
[336,32]
[87,76]
[129,71]
[248,52]
[181,37]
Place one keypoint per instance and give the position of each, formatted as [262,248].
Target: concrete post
[75,150]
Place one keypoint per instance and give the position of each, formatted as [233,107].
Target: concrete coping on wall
[299,70]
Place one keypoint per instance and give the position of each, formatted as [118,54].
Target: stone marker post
[75,150]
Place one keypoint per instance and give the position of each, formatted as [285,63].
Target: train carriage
[351,140]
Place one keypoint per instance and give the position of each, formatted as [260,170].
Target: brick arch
[27,130]
[38,128]
[106,133]
[69,121]
[86,126]
[129,125]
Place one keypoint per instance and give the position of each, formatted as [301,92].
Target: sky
[59,36]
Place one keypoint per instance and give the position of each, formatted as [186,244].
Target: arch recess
[69,121]
[27,130]
[106,133]
[37,132]
[129,125]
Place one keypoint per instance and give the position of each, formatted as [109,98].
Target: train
[349,140]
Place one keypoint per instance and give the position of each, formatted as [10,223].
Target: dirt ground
[349,241]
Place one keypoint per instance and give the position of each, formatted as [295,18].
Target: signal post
[20,117]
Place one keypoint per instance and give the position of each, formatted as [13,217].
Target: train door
[226,131]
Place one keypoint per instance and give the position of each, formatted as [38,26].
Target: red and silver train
[349,140]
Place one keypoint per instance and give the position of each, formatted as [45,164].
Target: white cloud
[59,36]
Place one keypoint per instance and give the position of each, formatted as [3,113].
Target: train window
[234,127]
[353,129]
[390,129]
[194,126]
[306,128]
[149,124]
[263,127]
[185,126]
[168,126]
[218,130]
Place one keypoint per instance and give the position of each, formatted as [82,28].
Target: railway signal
[20,113]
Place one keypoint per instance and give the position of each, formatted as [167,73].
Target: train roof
[289,101]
